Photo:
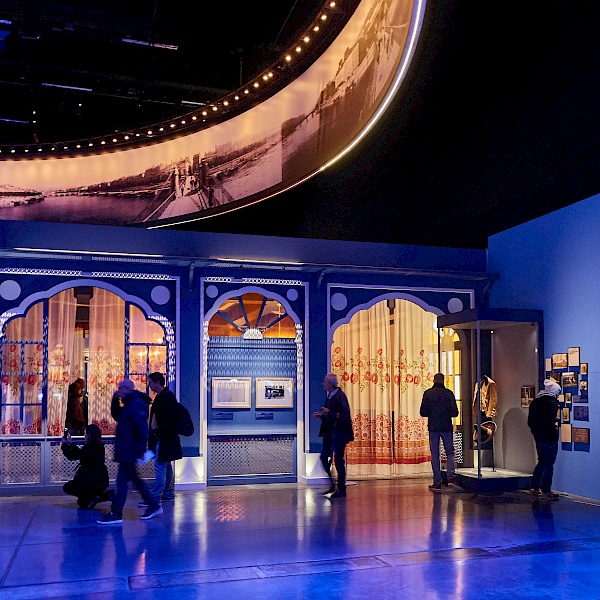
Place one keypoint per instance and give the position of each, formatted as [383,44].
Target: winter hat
[551,387]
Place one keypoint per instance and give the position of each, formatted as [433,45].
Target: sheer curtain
[106,359]
[385,359]
[61,332]
[14,364]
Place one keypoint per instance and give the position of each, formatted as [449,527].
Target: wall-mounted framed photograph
[580,399]
[565,433]
[274,392]
[581,435]
[559,361]
[527,395]
[583,387]
[569,379]
[583,368]
[556,377]
[231,392]
[573,357]
[568,397]
[566,415]
[548,362]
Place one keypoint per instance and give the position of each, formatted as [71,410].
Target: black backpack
[185,426]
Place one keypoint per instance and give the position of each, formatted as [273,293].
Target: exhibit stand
[505,356]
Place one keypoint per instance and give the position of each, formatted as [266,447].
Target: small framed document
[274,392]
[573,357]
[231,392]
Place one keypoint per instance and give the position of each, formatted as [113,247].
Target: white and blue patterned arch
[248,289]
[167,325]
[345,301]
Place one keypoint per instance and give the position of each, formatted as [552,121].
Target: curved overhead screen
[285,140]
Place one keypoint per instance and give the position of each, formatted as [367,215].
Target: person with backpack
[163,438]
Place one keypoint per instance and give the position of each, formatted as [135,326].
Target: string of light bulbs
[237,101]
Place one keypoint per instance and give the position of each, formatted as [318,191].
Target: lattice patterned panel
[247,455]
[458,448]
[62,469]
[21,462]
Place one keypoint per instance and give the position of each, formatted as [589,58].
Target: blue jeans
[544,470]
[164,479]
[128,472]
[447,438]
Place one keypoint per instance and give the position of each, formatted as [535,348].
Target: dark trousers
[336,452]
[544,470]
[128,472]
[84,494]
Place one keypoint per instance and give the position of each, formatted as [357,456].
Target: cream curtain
[61,332]
[415,355]
[385,358]
[106,359]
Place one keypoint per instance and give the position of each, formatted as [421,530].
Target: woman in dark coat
[75,419]
[91,478]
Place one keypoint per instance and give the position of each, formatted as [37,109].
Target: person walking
[439,407]
[542,421]
[91,481]
[336,431]
[163,439]
[129,408]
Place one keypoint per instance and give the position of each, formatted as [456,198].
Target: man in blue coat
[129,408]
[439,406]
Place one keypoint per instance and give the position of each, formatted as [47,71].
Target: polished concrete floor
[387,539]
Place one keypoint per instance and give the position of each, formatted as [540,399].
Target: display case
[503,355]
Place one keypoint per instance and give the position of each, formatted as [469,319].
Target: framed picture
[559,361]
[231,392]
[556,377]
[274,392]
[527,395]
[583,368]
[583,386]
[565,433]
[581,435]
[580,399]
[548,362]
[568,397]
[569,379]
[581,413]
[573,357]
[566,415]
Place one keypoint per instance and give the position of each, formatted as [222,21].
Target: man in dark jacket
[439,406]
[336,431]
[164,439]
[129,408]
[542,421]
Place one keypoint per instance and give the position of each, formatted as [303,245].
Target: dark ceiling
[497,121]
[71,69]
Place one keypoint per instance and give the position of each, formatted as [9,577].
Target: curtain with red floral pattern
[385,358]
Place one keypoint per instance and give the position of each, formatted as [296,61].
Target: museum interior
[247,203]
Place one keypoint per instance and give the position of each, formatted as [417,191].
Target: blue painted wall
[550,263]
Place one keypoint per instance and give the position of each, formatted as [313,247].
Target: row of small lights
[214,109]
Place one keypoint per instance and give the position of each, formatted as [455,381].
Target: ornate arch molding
[343,303]
[169,327]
